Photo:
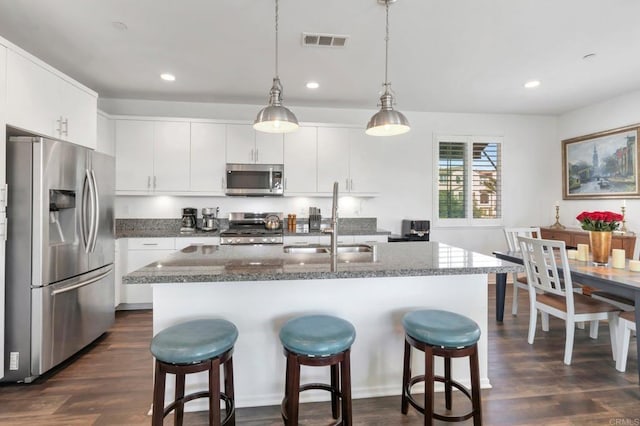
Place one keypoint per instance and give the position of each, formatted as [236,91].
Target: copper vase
[600,242]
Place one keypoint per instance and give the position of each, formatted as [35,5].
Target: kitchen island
[260,287]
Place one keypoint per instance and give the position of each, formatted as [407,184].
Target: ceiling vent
[324,40]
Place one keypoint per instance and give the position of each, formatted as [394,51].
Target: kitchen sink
[356,248]
[355,253]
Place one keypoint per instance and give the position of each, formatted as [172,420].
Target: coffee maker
[210,218]
[189,220]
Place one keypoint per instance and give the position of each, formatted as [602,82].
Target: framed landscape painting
[601,165]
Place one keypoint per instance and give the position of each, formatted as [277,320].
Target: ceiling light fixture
[275,117]
[387,121]
[532,83]
[168,77]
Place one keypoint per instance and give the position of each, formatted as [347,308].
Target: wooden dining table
[621,282]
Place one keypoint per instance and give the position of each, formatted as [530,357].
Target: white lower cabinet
[139,252]
[326,239]
[301,240]
[134,253]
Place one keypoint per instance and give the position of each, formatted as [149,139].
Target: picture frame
[601,165]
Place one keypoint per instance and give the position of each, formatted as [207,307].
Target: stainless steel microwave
[255,179]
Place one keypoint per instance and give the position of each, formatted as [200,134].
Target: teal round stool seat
[193,347]
[194,341]
[448,335]
[318,341]
[441,328]
[317,335]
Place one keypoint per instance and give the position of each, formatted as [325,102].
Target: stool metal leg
[406,376]
[475,387]
[158,396]
[428,386]
[346,389]
[447,383]
[179,413]
[335,384]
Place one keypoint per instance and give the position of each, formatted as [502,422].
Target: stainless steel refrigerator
[60,253]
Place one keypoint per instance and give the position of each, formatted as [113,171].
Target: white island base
[375,307]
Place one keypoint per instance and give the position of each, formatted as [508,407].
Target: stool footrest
[417,379]
[229,405]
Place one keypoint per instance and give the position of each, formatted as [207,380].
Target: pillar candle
[572,254]
[634,265]
[583,252]
[618,258]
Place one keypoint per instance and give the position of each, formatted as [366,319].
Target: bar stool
[192,347]
[318,341]
[448,335]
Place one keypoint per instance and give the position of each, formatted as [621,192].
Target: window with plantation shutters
[469,180]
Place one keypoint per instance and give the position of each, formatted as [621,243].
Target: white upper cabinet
[301,161]
[208,157]
[43,102]
[245,145]
[106,141]
[134,155]
[152,156]
[333,158]
[269,148]
[367,154]
[171,155]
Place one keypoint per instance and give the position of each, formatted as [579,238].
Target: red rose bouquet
[599,221]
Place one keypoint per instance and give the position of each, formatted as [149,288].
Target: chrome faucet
[333,230]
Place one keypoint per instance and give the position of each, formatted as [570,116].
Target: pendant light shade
[387,121]
[275,117]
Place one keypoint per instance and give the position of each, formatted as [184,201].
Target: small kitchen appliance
[255,179]
[412,230]
[210,218]
[253,228]
[189,220]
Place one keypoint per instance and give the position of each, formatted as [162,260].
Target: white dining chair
[550,295]
[626,324]
[519,281]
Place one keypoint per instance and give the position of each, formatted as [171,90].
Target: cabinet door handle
[257,152]
[149,244]
[65,122]
[252,155]
[351,184]
[148,182]
[155,181]
[59,129]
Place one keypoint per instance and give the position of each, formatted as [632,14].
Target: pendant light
[387,121]
[276,118]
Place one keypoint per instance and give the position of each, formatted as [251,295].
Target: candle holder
[558,225]
[624,229]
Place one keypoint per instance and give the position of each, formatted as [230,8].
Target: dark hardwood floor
[110,383]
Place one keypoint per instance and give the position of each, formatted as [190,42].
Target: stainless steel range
[253,228]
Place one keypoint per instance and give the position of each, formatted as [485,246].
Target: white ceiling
[445,55]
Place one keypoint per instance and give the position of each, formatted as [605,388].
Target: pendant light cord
[386,52]
[277,39]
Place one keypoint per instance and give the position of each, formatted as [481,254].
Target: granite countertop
[161,228]
[208,263]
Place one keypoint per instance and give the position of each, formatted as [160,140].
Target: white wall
[531,153]
[611,114]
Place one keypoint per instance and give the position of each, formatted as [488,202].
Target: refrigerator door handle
[96,213]
[82,283]
[85,233]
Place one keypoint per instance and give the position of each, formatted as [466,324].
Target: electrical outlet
[14,360]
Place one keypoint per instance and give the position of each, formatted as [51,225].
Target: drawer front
[554,235]
[151,243]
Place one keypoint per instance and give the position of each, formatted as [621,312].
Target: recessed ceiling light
[312,85]
[168,77]
[532,83]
